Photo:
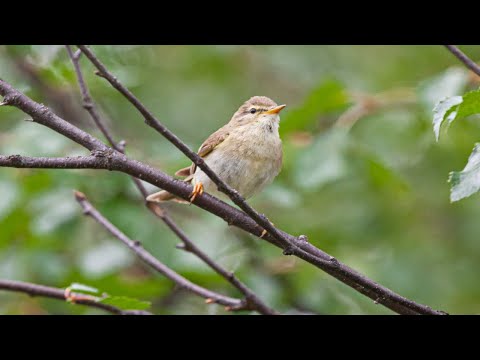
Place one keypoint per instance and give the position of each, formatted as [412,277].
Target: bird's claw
[197,190]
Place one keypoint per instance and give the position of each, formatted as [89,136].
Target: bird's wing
[206,148]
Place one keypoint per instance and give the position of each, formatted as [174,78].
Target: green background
[374,195]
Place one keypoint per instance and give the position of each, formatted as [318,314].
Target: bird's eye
[253,111]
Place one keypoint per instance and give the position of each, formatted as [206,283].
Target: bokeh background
[363,176]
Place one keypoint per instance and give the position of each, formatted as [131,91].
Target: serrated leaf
[445,106]
[466,182]
[330,95]
[126,303]
[84,289]
[455,107]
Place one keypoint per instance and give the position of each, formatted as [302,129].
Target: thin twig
[91,107]
[151,120]
[107,158]
[369,104]
[254,302]
[59,97]
[88,103]
[152,261]
[335,268]
[56,293]
[472,65]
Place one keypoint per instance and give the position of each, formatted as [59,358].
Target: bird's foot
[197,190]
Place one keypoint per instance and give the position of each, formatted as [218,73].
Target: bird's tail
[163,196]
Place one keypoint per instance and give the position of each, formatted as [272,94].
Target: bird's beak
[275,110]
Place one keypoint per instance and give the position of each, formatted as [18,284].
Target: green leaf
[470,104]
[466,182]
[84,289]
[454,108]
[448,105]
[126,303]
[330,95]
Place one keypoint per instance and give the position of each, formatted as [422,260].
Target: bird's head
[257,109]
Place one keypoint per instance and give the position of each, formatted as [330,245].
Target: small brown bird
[246,153]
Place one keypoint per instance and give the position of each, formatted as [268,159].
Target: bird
[246,153]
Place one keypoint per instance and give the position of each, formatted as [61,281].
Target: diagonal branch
[291,245]
[472,65]
[359,282]
[88,103]
[106,158]
[56,293]
[151,120]
[137,248]
[254,302]
[43,115]
[60,97]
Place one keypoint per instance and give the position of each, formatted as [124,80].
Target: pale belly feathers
[246,163]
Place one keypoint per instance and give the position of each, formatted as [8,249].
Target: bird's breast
[246,160]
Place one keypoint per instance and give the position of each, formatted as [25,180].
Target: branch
[152,121]
[88,103]
[43,115]
[149,259]
[56,293]
[366,104]
[291,246]
[90,106]
[464,58]
[113,160]
[253,301]
[60,97]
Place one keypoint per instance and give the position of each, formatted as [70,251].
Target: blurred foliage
[374,195]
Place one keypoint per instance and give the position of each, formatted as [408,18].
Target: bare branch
[107,158]
[56,293]
[88,103]
[254,302]
[43,115]
[59,97]
[472,65]
[152,121]
[152,261]
[369,104]
[91,107]
[234,216]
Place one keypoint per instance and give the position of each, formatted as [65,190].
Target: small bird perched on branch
[246,153]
